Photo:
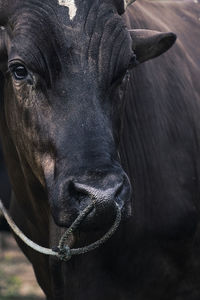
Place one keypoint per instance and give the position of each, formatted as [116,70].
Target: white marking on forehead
[71,5]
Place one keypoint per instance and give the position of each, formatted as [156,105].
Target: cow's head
[64,64]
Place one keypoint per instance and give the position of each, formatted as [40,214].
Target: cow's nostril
[79,195]
[73,191]
[71,188]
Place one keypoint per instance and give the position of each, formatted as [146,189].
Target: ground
[17,280]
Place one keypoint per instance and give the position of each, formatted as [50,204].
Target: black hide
[79,108]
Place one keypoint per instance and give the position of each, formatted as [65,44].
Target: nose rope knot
[63,251]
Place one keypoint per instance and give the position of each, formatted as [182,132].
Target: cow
[86,114]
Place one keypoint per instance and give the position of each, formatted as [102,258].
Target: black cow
[79,108]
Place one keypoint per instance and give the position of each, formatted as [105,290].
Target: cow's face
[65,67]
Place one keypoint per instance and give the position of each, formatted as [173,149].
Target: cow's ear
[148,44]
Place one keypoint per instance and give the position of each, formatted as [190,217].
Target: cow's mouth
[65,252]
[91,210]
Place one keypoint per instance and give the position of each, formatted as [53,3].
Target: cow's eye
[19,72]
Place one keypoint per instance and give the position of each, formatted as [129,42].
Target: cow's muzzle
[78,195]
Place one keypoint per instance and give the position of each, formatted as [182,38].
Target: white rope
[64,252]
[22,236]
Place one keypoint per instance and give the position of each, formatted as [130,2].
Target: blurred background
[17,280]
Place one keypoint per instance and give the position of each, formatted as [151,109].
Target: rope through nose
[75,225]
[64,252]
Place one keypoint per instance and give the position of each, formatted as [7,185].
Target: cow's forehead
[65,10]
[72,17]
[94,39]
